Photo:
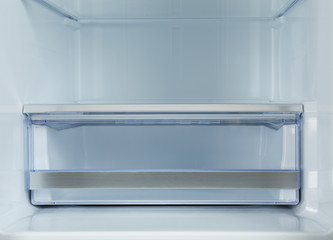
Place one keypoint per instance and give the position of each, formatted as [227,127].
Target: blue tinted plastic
[225,142]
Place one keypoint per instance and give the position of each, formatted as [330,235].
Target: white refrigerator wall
[176,60]
[43,60]
[38,64]
[316,93]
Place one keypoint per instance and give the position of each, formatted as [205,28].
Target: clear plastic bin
[208,154]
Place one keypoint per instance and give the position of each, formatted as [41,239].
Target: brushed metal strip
[164,108]
[165,180]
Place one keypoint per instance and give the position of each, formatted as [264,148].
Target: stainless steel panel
[165,180]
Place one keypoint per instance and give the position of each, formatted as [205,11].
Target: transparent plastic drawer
[204,154]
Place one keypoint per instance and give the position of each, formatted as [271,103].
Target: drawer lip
[163,108]
[164,179]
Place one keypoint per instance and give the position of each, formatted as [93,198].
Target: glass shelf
[164,154]
[164,9]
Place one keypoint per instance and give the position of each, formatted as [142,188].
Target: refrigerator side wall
[305,75]
[37,62]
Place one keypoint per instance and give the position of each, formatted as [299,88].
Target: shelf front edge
[164,108]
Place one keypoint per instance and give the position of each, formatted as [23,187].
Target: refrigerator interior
[178,51]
